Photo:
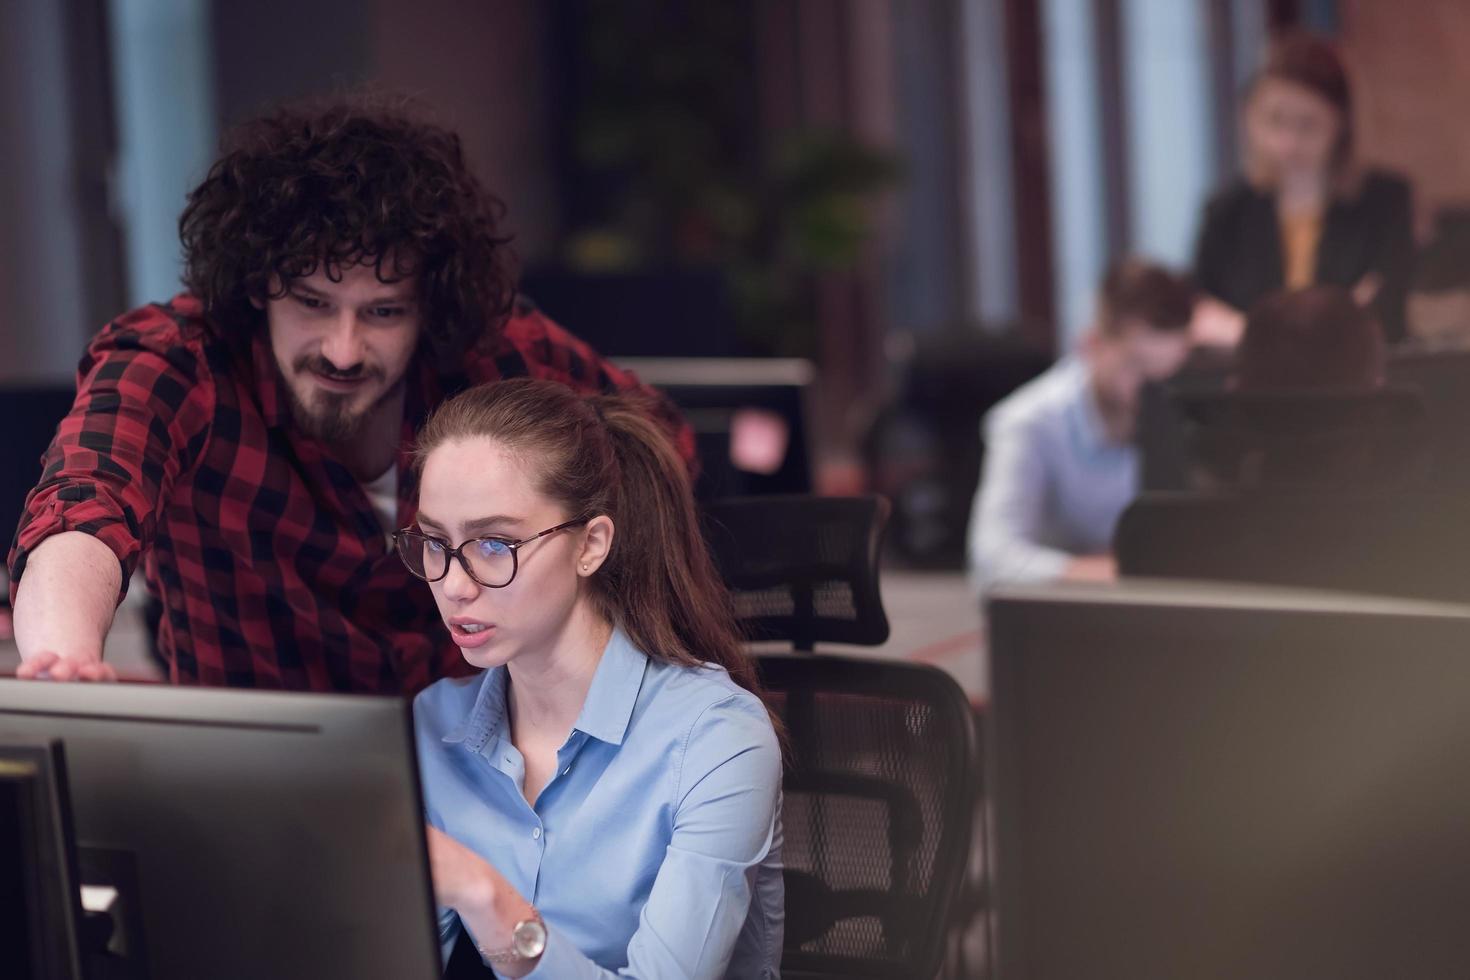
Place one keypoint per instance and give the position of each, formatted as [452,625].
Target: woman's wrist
[491,906]
[509,909]
[479,894]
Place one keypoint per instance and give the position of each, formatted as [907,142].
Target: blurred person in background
[1060,461]
[1303,212]
[247,441]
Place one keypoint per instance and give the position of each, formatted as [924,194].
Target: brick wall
[1411,64]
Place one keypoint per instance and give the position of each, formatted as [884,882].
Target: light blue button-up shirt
[1053,486]
[655,849]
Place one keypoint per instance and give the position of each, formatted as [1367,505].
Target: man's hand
[54,667]
[1092,568]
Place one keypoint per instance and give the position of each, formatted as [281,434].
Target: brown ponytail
[606,455]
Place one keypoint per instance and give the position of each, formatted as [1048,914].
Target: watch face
[529,938]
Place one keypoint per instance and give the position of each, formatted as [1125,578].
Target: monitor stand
[66,913]
[40,902]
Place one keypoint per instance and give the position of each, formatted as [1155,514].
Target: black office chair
[882,757]
[802,569]
[924,447]
[878,799]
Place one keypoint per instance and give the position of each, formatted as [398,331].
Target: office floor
[932,616]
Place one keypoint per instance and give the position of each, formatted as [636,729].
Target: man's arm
[64,608]
[140,420]
[1005,521]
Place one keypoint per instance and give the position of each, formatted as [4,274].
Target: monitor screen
[1229,782]
[249,834]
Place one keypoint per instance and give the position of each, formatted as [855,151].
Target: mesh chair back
[802,568]
[877,813]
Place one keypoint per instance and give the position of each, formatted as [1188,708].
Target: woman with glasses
[605,796]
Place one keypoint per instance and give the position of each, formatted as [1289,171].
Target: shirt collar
[485,717]
[605,714]
[1086,415]
[614,691]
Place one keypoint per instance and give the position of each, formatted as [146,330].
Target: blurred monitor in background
[1305,402]
[1060,461]
[1439,303]
[676,329]
[1303,211]
[749,416]
[1303,467]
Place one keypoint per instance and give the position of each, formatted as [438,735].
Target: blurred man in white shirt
[1060,463]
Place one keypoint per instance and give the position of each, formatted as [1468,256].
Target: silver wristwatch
[527,942]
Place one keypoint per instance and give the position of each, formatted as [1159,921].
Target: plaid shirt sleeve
[549,351]
[140,419]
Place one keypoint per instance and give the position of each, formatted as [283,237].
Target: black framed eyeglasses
[490,561]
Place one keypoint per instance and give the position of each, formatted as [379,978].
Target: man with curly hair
[247,441]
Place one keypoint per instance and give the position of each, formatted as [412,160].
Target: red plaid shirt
[269,560]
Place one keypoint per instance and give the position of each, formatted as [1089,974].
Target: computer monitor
[1440,378]
[249,834]
[1228,782]
[714,394]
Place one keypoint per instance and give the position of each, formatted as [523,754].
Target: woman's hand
[487,904]
[463,880]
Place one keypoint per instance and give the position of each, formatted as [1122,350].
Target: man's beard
[330,417]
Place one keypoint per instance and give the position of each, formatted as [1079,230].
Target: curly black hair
[360,178]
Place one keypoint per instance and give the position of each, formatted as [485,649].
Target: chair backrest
[877,813]
[802,568]
[1400,544]
[924,448]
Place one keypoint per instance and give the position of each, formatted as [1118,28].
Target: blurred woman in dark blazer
[1303,212]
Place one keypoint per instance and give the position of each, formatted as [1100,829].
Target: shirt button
[535,833]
